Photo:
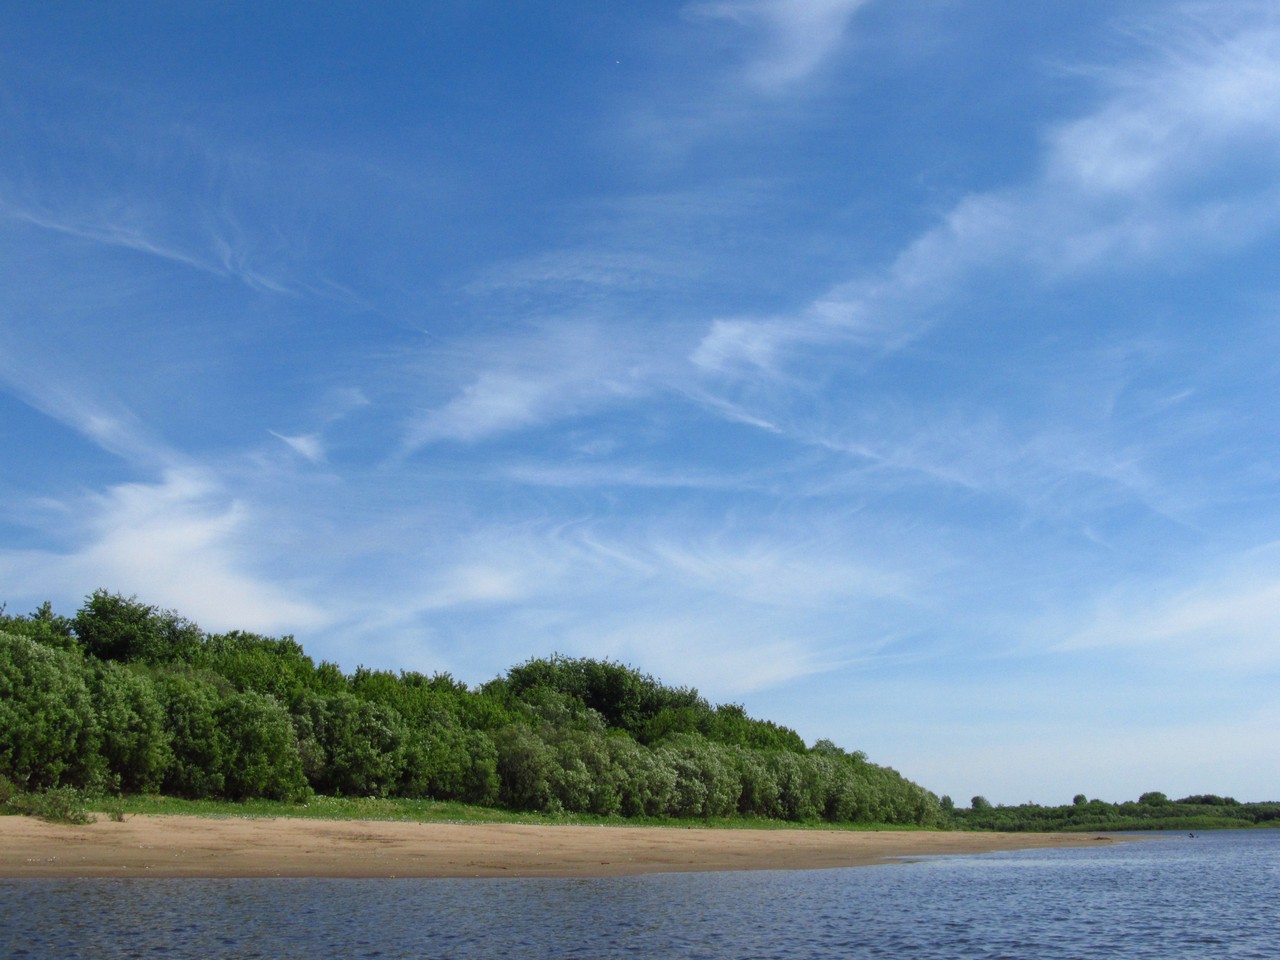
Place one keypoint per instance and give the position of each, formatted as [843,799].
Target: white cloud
[1179,157]
[477,584]
[524,382]
[1229,620]
[1207,100]
[495,403]
[309,446]
[129,236]
[795,37]
[178,543]
[733,344]
[777,574]
[104,421]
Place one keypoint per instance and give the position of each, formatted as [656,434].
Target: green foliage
[707,784]
[448,762]
[645,782]
[43,626]
[112,627]
[274,666]
[56,805]
[626,698]
[198,743]
[134,734]
[49,732]
[362,746]
[1152,811]
[134,699]
[262,758]
[1209,800]
[525,766]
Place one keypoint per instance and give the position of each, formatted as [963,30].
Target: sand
[183,846]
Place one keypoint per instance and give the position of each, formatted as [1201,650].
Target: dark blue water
[1214,896]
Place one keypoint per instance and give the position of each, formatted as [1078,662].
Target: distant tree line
[124,697]
[1151,811]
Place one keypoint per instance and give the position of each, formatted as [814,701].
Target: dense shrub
[112,627]
[198,743]
[56,805]
[49,733]
[275,666]
[134,698]
[262,756]
[135,739]
[707,783]
[361,746]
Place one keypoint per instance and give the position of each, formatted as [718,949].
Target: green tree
[707,783]
[44,626]
[198,743]
[584,778]
[362,745]
[275,666]
[525,766]
[113,627]
[758,795]
[135,740]
[800,788]
[646,782]
[447,762]
[49,734]
[262,749]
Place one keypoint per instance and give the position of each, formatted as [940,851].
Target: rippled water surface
[1217,895]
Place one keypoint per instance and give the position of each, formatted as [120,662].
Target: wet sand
[182,846]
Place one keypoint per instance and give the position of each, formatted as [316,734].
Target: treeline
[1151,811]
[124,697]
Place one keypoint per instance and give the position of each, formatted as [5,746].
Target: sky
[905,372]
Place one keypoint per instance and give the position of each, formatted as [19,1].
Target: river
[1167,896]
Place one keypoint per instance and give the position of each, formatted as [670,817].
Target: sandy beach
[179,846]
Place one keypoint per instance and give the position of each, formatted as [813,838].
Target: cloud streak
[792,39]
[1226,620]
[1176,158]
[179,543]
[524,382]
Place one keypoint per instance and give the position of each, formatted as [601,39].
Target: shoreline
[177,846]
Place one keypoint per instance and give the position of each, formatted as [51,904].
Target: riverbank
[186,846]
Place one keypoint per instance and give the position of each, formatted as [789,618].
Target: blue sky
[904,372]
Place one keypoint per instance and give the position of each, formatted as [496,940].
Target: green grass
[55,805]
[431,811]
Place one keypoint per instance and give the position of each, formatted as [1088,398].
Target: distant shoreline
[166,846]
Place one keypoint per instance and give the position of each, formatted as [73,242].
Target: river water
[1215,895]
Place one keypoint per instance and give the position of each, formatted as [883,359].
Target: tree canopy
[124,696]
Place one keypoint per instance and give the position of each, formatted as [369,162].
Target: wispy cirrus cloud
[1178,157]
[204,237]
[309,446]
[178,542]
[59,392]
[522,382]
[1223,619]
[744,612]
[126,169]
[790,38]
